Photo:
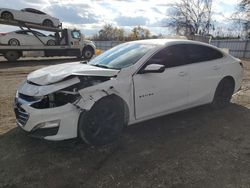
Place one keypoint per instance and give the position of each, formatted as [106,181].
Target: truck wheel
[51,43]
[223,93]
[48,23]
[104,123]
[12,55]
[7,16]
[88,52]
[14,42]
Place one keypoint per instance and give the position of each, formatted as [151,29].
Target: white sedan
[127,84]
[29,15]
[26,37]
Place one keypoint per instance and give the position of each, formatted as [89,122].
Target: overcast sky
[90,16]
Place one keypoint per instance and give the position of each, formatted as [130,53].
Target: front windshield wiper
[102,66]
[84,61]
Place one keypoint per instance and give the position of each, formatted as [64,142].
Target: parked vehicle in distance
[26,37]
[129,83]
[29,15]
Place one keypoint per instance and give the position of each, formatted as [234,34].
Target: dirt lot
[194,148]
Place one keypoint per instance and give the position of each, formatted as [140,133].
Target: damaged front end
[51,111]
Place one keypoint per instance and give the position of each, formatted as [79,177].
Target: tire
[104,123]
[7,16]
[51,43]
[48,23]
[88,53]
[14,42]
[223,93]
[12,55]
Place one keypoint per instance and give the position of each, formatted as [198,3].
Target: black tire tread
[84,121]
[223,93]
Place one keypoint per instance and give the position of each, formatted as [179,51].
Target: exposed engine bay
[69,94]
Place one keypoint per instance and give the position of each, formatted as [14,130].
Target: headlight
[61,98]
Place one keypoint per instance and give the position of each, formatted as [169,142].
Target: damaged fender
[92,94]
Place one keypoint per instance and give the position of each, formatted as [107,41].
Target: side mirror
[153,68]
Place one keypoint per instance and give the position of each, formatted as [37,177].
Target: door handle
[216,67]
[182,73]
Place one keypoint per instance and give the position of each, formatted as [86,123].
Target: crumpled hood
[56,73]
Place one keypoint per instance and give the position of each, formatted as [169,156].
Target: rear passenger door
[205,72]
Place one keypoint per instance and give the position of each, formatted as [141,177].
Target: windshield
[122,55]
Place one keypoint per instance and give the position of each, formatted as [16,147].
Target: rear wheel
[12,55]
[51,43]
[7,16]
[103,124]
[14,42]
[48,23]
[223,93]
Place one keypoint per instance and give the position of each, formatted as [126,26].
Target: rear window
[199,53]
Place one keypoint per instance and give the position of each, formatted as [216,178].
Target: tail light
[3,34]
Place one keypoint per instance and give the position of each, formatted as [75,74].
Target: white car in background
[26,37]
[29,15]
[127,84]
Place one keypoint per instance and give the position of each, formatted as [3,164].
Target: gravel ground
[193,148]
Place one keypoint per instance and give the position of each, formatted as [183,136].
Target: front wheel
[87,53]
[103,124]
[48,23]
[223,93]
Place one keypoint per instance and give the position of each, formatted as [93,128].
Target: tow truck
[69,42]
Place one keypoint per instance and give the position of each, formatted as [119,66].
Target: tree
[139,33]
[109,32]
[245,7]
[241,17]
[191,17]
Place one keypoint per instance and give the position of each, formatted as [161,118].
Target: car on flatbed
[127,84]
[26,37]
[29,15]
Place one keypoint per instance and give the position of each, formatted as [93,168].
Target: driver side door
[163,92]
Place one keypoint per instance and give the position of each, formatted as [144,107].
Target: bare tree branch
[192,16]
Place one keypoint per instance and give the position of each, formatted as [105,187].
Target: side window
[76,34]
[39,34]
[39,12]
[171,56]
[29,10]
[200,53]
[29,33]
[21,32]
[33,11]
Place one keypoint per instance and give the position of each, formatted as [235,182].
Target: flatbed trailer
[13,53]
[71,43]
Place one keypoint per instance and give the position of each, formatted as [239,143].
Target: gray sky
[90,16]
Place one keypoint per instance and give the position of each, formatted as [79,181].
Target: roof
[162,42]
